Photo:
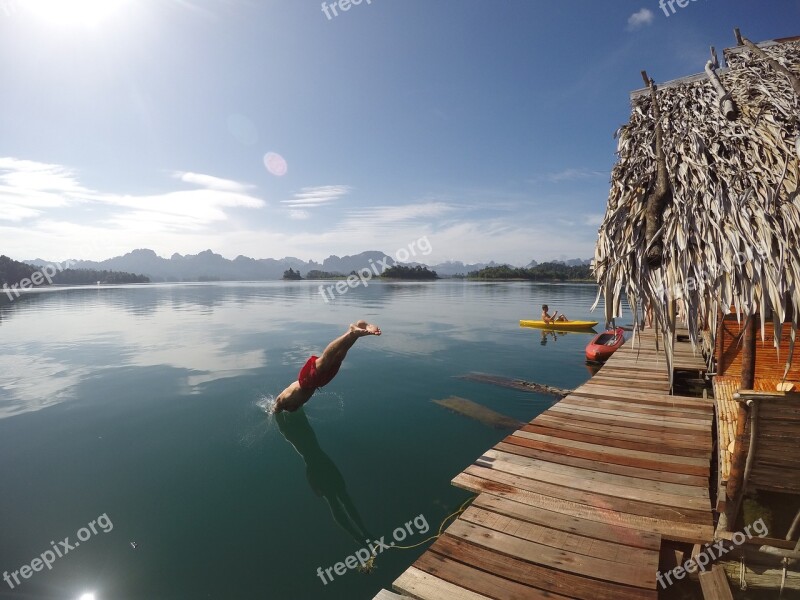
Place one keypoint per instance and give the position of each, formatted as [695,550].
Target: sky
[274,128]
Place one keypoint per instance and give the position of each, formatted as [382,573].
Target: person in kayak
[556,318]
[320,370]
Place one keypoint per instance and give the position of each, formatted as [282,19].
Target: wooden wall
[769,363]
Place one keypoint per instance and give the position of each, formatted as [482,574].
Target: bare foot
[363,328]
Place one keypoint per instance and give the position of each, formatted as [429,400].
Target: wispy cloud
[28,188]
[374,217]
[213,183]
[313,197]
[571,174]
[640,18]
[299,214]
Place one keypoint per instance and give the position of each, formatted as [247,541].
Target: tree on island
[550,271]
[91,276]
[291,275]
[317,274]
[417,273]
[12,271]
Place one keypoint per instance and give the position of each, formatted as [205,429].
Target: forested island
[91,276]
[20,274]
[550,271]
[416,273]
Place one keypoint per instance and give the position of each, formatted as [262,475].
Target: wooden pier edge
[574,505]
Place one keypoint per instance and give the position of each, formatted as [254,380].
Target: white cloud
[299,215]
[29,188]
[312,197]
[640,18]
[213,183]
[571,174]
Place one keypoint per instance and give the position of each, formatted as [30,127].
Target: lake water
[145,406]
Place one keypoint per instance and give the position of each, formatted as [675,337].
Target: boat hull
[559,325]
[604,344]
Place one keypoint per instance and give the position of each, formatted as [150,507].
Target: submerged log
[478,412]
[517,384]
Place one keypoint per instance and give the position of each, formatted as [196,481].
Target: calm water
[145,406]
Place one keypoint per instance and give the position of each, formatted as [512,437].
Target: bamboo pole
[726,105]
[661,192]
[774,64]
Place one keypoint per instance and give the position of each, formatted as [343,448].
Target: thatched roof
[730,230]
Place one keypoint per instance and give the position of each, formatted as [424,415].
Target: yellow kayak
[559,325]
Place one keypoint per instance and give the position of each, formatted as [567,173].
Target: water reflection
[323,476]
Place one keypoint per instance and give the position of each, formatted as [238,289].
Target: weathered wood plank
[536,576]
[480,581]
[670,530]
[423,586]
[602,467]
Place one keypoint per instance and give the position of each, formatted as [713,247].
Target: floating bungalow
[702,231]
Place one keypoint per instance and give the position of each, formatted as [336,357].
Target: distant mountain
[208,266]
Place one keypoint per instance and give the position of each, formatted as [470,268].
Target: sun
[73,12]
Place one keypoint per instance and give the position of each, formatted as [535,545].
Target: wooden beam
[774,65]
[749,354]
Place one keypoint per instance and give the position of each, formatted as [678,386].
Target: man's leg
[334,353]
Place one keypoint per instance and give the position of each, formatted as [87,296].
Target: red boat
[605,344]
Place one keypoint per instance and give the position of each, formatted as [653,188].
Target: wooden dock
[574,505]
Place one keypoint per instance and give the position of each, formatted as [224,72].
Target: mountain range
[208,266]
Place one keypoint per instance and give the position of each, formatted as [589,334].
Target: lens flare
[275,164]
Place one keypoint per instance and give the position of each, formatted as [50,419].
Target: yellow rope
[461,509]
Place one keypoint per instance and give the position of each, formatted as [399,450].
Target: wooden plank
[422,586]
[534,467]
[609,455]
[607,449]
[387,595]
[617,441]
[621,393]
[610,420]
[683,425]
[478,412]
[564,522]
[561,540]
[714,584]
[625,401]
[679,440]
[646,409]
[543,578]
[607,570]
[623,503]
[611,485]
[670,530]
[478,581]
[603,467]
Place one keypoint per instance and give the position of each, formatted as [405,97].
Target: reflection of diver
[545,333]
[323,476]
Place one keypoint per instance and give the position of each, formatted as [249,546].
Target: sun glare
[74,12]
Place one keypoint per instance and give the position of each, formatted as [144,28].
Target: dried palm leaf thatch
[730,235]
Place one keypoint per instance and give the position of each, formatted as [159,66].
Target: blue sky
[485,125]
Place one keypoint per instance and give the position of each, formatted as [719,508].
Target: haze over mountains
[208,266]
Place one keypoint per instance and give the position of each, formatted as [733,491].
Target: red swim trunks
[310,379]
